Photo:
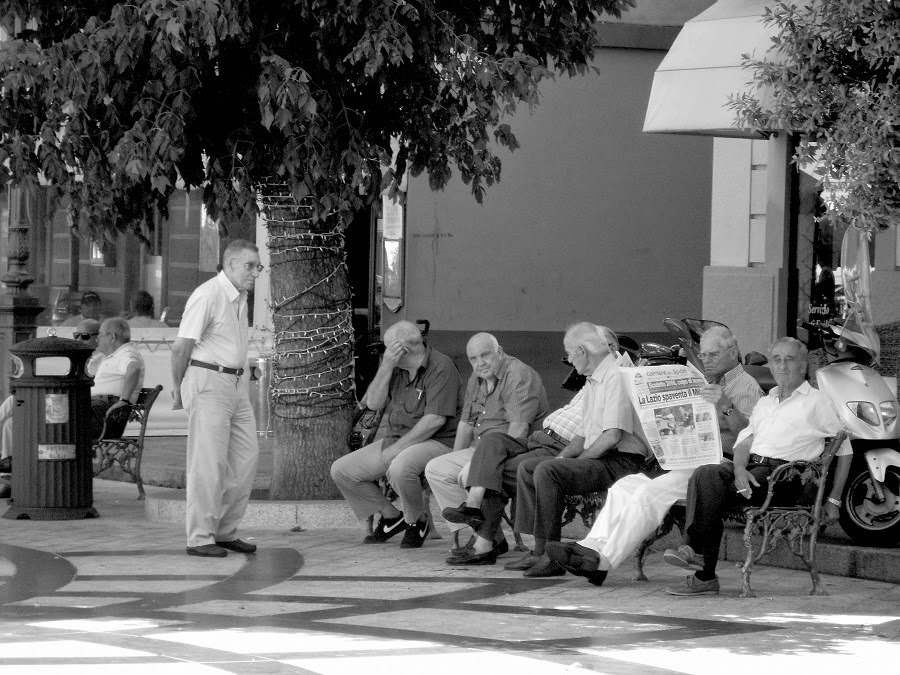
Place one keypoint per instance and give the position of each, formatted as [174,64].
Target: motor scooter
[870,503]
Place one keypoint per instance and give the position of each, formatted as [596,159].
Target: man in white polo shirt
[209,373]
[118,379]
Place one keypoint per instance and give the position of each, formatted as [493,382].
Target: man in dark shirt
[422,391]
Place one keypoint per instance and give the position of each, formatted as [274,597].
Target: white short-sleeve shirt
[215,318]
[111,372]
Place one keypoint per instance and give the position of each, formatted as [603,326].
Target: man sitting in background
[142,308]
[118,380]
[90,309]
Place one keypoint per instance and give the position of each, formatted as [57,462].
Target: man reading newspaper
[636,505]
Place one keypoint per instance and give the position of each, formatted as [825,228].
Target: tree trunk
[312,395]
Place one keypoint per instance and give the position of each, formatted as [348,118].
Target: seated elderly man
[789,424]
[490,477]
[90,309]
[420,390]
[604,449]
[636,505]
[118,379]
[503,396]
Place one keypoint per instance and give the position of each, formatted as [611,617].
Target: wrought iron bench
[128,451]
[766,525]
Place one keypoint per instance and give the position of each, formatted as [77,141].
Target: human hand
[832,512]
[392,354]
[743,479]
[176,399]
[714,394]
[115,406]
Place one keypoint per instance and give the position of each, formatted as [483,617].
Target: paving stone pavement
[118,594]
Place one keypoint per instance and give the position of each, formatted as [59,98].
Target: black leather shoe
[501,547]
[472,558]
[207,551]
[237,546]
[527,561]
[578,560]
[464,515]
[544,567]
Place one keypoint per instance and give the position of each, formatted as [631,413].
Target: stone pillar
[18,308]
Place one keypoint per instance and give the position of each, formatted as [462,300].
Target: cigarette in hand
[745,490]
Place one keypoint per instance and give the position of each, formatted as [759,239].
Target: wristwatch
[728,410]
[832,500]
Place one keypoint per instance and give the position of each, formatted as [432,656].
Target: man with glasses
[504,396]
[88,331]
[118,379]
[210,377]
[605,447]
[636,505]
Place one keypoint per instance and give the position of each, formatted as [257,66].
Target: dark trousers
[712,493]
[115,425]
[494,466]
[542,486]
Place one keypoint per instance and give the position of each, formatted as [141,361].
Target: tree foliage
[832,75]
[119,103]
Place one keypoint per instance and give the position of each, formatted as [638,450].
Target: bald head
[485,354]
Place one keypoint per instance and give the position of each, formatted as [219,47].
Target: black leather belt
[218,369]
[555,436]
[766,461]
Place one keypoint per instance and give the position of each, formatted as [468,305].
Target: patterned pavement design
[118,594]
[270,614]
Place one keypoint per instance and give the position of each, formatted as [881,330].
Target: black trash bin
[52,477]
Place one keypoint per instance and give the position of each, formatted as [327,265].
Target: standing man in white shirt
[209,373]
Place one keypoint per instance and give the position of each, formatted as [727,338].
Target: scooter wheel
[866,521]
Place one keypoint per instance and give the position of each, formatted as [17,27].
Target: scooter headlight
[888,412]
[865,411]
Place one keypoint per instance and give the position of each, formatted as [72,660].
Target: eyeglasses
[711,355]
[84,336]
[250,265]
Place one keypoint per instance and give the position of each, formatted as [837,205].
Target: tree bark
[312,395]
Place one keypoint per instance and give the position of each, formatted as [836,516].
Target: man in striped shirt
[636,505]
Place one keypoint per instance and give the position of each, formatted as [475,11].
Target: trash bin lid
[51,346]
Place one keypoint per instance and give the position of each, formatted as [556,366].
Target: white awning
[703,68]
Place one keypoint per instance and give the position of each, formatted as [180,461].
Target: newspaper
[680,427]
